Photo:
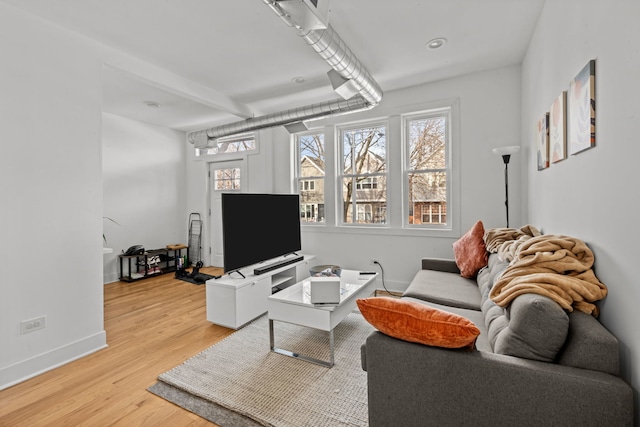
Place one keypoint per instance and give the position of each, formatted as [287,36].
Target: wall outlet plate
[32,325]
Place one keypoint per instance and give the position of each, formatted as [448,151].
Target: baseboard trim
[34,366]
[110,278]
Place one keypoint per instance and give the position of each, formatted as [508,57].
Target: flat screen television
[259,227]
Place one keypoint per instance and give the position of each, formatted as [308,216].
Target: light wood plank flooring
[152,325]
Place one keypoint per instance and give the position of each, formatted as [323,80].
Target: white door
[224,177]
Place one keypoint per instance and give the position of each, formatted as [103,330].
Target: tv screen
[258,227]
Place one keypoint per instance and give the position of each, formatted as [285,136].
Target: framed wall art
[582,110]
[558,128]
[542,142]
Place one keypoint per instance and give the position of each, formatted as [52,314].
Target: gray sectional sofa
[534,363]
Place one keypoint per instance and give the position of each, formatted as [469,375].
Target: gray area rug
[240,382]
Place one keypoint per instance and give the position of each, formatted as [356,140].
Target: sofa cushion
[444,288]
[488,276]
[589,345]
[532,327]
[470,251]
[419,323]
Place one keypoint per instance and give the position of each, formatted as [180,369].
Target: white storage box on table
[325,290]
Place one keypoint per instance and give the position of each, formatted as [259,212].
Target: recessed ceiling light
[152,104]
[436,43]
[298,80]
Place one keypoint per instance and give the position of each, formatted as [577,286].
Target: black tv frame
[258,227]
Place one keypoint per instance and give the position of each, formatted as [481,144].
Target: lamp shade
[509,149]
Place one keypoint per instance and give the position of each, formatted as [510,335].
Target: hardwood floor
[152,325]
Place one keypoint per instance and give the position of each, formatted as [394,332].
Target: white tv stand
[233,301]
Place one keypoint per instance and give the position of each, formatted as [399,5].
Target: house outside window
[363,162]
[427,168]
[310,176]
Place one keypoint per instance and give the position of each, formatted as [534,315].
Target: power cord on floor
[382,271]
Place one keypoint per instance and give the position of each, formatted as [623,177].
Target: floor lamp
[506,153]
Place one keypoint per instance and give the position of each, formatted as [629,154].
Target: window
[395,175]
[363,174]
[227,179]
[433,213]
[427,168]
[233,144]
[311,212]
[369,183]
[310,176]
[307,185]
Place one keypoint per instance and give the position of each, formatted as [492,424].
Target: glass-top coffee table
[293,305]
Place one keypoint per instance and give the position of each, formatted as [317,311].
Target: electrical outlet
[32,325]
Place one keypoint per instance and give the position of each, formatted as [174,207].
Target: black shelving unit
[150,263]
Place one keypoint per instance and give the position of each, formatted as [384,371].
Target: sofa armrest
[409,383]
[440,264]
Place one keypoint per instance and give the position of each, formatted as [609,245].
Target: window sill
[380,231]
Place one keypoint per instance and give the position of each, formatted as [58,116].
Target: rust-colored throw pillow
[470,251]
[419,323]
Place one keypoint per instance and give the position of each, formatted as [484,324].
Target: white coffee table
[293,305]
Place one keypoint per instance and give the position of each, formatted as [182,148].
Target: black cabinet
[150,263]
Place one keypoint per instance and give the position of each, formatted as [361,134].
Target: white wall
[489,117]
[51,192]
[144,182]
[593,194]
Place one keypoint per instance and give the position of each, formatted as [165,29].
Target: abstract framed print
[582,110]
[542,142]
[558,128]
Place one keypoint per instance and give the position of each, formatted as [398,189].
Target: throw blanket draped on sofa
[505,241]
[558,267]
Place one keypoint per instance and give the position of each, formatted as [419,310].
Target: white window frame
[311,180]
[341,175]
[230,139]
[239,179]
[397,191]
[406,118]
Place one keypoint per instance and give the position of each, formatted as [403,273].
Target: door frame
[215,252]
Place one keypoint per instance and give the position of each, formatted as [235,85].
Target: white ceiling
[243,53]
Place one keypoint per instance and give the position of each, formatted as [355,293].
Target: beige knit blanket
[506,241]
[558,267]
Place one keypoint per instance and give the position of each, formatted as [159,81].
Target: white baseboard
[391,285]
[110,278]
[34,366]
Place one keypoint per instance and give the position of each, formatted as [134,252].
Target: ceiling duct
[328,44]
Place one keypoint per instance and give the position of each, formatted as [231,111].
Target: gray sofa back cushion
[589,345]
[532,327]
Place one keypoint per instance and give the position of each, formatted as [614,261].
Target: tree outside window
[364,173]
[227,179]
[427,169]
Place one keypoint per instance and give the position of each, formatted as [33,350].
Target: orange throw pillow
[419,323]
[471,252]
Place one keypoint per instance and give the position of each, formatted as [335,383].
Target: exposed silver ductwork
[328,44]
